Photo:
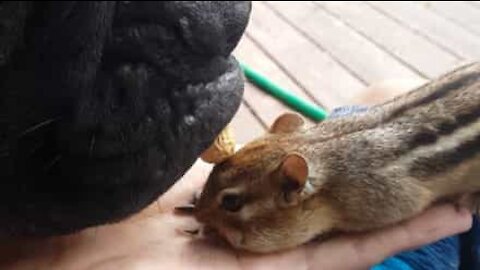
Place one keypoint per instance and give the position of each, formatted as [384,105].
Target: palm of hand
[150,240]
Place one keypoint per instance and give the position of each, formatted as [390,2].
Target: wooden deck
[328,52]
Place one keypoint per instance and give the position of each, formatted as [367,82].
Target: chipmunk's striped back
[417,148]
[442,124]
[428,130]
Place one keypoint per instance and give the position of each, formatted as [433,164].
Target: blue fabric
[392,263]
[470,247]
[441,255]
[347,110]
[455,252]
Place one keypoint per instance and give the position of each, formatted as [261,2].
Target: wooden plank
[368,61]
[245,125]
[457,11]
[418,52]
[312,68]
[432,26]
[264,105]
[474,3]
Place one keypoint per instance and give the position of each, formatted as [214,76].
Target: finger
[432,225]
[291,259]
[363,251]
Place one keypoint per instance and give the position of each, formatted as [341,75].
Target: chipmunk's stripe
[442,161]
[465,79]
[447,153]
[464,119]
[459,84]
[427,136]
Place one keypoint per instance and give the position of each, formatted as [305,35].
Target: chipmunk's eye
[232,202]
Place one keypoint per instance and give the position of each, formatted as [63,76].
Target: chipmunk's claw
[322,237]
[469,201]
[188,209]
[189,232]
[192,232]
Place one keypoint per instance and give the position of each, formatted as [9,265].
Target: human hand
[150,240]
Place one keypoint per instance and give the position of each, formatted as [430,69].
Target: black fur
[104,105]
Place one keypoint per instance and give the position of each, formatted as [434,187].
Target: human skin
[151,240]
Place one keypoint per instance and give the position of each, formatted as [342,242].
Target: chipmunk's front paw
[470,201]
[189,208]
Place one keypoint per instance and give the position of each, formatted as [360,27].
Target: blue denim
[455,252]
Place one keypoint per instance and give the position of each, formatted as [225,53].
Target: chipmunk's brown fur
[355,173]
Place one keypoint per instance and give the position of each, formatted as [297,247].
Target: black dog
[104,105]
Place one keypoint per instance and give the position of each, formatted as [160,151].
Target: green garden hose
[300,105]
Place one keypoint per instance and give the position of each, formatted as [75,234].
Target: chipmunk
[349,174]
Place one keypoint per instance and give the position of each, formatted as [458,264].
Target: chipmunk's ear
[295,171]
[287,123]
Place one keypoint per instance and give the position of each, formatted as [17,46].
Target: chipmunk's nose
[210,231]
[216,234]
